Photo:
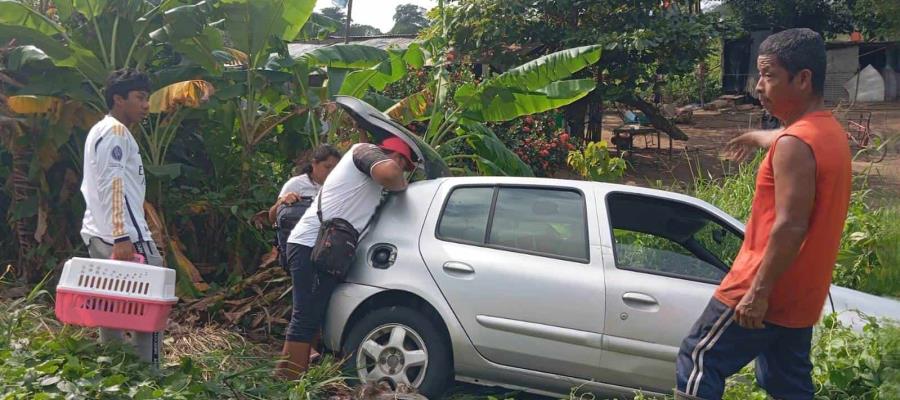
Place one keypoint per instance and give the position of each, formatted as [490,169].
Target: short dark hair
[322,153]
[798,49]
[123,81]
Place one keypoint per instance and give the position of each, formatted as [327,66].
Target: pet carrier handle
[138,258]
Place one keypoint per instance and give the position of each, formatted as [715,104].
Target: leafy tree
[334,13]
[640,39]
[409,19]
[876,18]
[364,30]
[338,15]
[826,16]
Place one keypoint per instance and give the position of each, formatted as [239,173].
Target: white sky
[377,13]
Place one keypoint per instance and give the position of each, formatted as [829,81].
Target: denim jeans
[311,293]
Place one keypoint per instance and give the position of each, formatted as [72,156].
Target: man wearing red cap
[351,192]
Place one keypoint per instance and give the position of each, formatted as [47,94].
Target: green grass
[869,256]
[40,359]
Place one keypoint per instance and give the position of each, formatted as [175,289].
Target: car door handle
[639,299]
[455,267]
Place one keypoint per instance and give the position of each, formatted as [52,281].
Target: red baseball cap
[397,145]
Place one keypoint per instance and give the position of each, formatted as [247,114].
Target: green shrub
[39,359]
[847,365]
[595,163]
[869,256]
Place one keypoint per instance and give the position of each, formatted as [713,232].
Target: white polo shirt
[349,193]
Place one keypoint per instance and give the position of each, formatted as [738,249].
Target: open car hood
[381,127]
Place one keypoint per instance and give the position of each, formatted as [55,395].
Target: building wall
[842,65]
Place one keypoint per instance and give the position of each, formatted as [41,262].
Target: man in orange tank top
[765,307]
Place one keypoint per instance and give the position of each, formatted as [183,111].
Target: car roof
[585,186]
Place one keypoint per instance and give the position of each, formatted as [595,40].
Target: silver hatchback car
[540,285]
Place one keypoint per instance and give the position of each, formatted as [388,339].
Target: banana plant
[91,38]
[352,70]
[534,87]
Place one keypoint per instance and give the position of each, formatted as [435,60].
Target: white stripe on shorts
[711,336]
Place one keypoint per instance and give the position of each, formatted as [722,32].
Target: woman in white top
[309,181]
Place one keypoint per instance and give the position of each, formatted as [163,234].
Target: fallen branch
[263,275]
[656,118]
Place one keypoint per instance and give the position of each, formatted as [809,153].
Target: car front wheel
[399,346]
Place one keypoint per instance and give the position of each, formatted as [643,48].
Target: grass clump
[41,359]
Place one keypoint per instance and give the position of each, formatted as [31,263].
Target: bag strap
[319,206]
[372,218]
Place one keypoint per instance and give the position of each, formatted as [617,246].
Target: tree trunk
[595,116]
[23,191]
[575,114]
[656,118]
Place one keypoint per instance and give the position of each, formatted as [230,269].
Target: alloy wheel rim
[392,353]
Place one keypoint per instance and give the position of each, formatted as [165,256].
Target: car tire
[423,356]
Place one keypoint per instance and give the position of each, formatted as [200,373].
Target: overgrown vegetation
[39,359]
[847,364]
[868,257]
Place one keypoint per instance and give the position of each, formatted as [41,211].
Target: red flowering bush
[539,141]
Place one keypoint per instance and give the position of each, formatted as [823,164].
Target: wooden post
[347,24]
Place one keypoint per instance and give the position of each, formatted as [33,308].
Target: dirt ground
[711,130]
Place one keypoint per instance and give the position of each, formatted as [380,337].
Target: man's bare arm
[795,187]
[389,175]
[746,144]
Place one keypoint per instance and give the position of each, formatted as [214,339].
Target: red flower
[564,137]
[545,153]
[553,145]
[526,129]
[529,120]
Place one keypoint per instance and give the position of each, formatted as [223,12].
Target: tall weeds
[869,256]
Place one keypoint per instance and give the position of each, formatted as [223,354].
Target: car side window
[671,238]
[465,215]
[541,221]
[538,220]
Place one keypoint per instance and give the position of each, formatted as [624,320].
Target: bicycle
[865,141]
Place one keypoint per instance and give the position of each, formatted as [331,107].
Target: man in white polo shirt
[113,188]
[351,192]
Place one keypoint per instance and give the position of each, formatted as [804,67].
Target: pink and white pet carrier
[115,294]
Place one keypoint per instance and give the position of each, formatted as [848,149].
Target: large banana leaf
[251,23]
[17,13]
[18,58]
[71,55]
[181,23]
[188,94]
[379,101]
[318,27]
[88,8]
[351,56]
[505,104]
[414,56]
[493,157]
[540,72]
[415,107]
[205,49]
[377,77]
[31,105]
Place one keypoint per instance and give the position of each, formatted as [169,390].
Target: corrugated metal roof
[384,43]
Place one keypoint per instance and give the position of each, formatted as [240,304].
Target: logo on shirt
[117,153]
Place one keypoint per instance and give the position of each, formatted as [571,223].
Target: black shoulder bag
[335,247]
[286,217]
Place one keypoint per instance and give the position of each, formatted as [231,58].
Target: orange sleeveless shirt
[799,293]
